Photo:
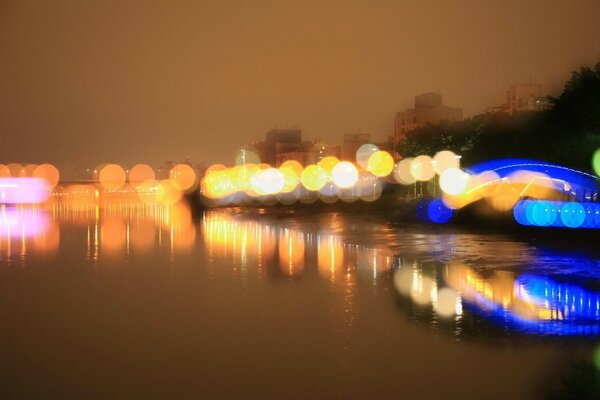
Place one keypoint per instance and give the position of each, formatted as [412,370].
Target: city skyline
[173,82]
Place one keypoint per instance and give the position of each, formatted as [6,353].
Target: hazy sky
[143,81]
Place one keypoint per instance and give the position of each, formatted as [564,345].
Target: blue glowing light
[434,211]
[557,214]
[578,183]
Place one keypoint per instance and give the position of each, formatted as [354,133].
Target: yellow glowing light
[402,172]
[422,168]
[215,167]
[445,159]
[313,177]
[328,163]
[294,165]
[380,163]
[172,194]
[183,177]
[112,177]
[363,153]
[267,181]
[140,173]
[151,192]
[217,184]
[49,173]
[290,177]
[344,175]
[453,181]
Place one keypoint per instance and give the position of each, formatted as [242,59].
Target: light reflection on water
[446,292]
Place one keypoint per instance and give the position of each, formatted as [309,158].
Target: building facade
[428,110]
[522,97]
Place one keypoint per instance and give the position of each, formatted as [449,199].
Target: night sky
[142,81]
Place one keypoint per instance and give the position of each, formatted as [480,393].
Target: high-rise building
[428,109]
[522,97]
[280,145]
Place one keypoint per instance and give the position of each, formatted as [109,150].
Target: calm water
[148,302]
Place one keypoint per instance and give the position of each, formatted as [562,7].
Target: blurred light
[557,214]
[313,177]
[4,171]
[14,169]
[446,301]
[328,163]
[268,181]
[363,154]
[246,156]
[112,177]
[141,173]
[23,191]
[453,181]
[344,174]
[380,163]
[151,192]
[421,168]
[596,162]
[290,176]
[402,172]
[48,173]
[435,211]
[183,177]
[444,160]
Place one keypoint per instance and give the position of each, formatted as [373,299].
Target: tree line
[566,133]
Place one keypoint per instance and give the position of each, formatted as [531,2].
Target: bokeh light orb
[453,181]
[344,174]
[445,304]
[112,177]
[151,192]
[313,177]
[141,173]
[294,165]
[596,162]
[572,214]
[268,181]
[171,193]
[444,160]
[246,156]
[183,177]
[328,164]
[402,172]
[421,168]
[291,178]
[363,153]
[380,163]
[14,169]
[27,171]
[49,173]
[4,171]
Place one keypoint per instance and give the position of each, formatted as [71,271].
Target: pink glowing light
[23,191]
[25,222]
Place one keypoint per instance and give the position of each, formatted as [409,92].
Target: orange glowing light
[183,177]
[49,173]
[141,173]
[14,169]
[112,177]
